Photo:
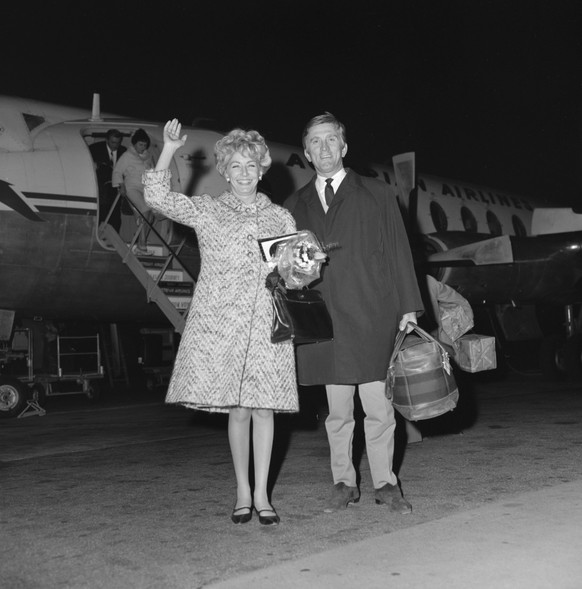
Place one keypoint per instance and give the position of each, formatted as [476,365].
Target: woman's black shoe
[241,518]
[268,520]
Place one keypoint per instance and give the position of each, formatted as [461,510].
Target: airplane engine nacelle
[545,268]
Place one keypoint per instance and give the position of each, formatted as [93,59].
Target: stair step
[169,275]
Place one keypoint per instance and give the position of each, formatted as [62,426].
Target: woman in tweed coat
[226,361]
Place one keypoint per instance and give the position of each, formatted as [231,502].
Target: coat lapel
[349,184]
[312,199]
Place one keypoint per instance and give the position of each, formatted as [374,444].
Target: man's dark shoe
[341,497]
[391,496]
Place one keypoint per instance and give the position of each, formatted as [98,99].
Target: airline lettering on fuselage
[295,160]
[466,193]
[462,192]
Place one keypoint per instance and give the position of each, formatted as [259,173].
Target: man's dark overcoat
[368,283]
[104,170]
[101,157]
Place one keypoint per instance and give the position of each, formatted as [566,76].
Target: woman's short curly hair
[250,143]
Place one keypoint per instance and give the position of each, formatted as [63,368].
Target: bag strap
[391,376]
[424,335]
[277,296]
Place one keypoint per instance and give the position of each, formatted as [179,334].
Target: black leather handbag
[300,315]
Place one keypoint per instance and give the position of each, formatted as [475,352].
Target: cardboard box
[475,353]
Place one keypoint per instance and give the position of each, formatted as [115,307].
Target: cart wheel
[13,396]
[93,390]
[38,393]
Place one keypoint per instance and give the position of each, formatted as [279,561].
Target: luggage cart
[77,370]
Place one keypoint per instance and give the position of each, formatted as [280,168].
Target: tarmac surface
[135,493]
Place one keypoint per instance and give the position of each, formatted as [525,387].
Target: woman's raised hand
[172,142]
[172,130]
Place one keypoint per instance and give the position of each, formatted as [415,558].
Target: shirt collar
[337,179]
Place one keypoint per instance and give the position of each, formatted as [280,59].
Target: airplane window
[518,226]
[469,221]
[438,216]
[33,121]
[493,223]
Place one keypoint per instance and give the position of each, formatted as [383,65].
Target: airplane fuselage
[53,262]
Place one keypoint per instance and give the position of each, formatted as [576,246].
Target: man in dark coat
[105,155]
[370,288]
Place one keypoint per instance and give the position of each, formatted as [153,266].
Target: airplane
[501,251]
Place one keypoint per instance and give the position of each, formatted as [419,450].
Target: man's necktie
[329,193]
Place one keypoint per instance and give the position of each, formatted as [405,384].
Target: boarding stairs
[153,278]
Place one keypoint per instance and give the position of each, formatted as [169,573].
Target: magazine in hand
[269,245]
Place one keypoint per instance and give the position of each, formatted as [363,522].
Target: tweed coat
[368,283]
[226,358]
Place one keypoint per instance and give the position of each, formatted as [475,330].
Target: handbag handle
[425,336]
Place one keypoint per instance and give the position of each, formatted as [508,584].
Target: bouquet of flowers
[299,259]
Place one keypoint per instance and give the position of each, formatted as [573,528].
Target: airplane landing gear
[573,357]
[561,355]
[552,357]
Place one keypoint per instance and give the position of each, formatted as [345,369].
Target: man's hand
[405,319]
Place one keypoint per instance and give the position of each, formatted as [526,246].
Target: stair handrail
[173,255]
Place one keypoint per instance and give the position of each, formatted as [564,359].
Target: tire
[13,396]
[552,357]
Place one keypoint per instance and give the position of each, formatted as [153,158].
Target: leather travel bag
[420,380]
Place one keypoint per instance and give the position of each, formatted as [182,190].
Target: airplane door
[77,163]
[60,177]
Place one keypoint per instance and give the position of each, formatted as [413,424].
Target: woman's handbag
[299,315]
[420,381]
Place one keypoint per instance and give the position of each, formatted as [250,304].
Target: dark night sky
[483,91]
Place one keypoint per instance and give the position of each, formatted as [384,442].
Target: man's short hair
[326,117]
[114,133]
